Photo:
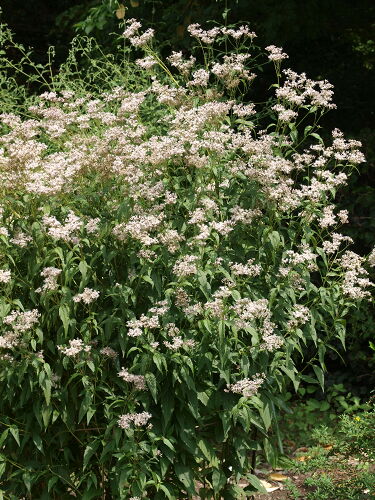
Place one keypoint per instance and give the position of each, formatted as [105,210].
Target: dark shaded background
[327,39]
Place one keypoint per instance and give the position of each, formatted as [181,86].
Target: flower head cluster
[22,321]
[178,342]
[139,227]
[248,269]
[21,239]
[300,315]
[371,258]
[285,115]
[293,259]
[147,62]
[131,32]
[5,276]
[298,89]
[186,265]
[75,347]
[135,326]
[66,232]
[247,387]
[329,218]
[183,65]
[355,279]
[19,322]
[50,275]
[137,419]
[138,381]
[276,54]
[208,37]
[4,231]
[331,247]
[87,296]
[233,70]
[241,31]
[108,352]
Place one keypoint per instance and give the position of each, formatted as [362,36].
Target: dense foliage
[170,265]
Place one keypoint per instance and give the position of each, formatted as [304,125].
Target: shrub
[167,256]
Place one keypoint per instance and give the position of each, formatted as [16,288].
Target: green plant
[356,434]
[359,487]
[293,491]
[166,266]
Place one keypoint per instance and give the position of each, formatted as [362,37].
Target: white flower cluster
[19,322]
[248,269]
[298,89]
[108,352]
[276,54]
[131,32]
[293,259]
[50,275]
[183,65]
[300,315]
[331,247]
[371,258]
[248,312]
[75,347]
[285,115]
[186,265]
[5,276]
[87,296]
[208,37]
[21,239]
[147,62]
[247,387]
[355,279]
[138,381]
[329,218]
[66,232]
[135,326]
[178,342]
[137,419]
[22,321]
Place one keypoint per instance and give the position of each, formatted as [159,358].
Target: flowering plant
[167,267]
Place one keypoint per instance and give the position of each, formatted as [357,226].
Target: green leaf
[319,375]
[47,386]
[15,433]
[3,437]
[167,408]
[46,415]
[38,442]
[52,482]
[275,240]
[64,313]
[185,475]
[170,495]
[208,453]
[151,384]
[90,413]
[219,479]
[147,279]
[255,482]
[89,452]
[160,362]
[3,466]
[85,405]
[82,266]
[204,285]
[264,412]
[271,452]
[91,365]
